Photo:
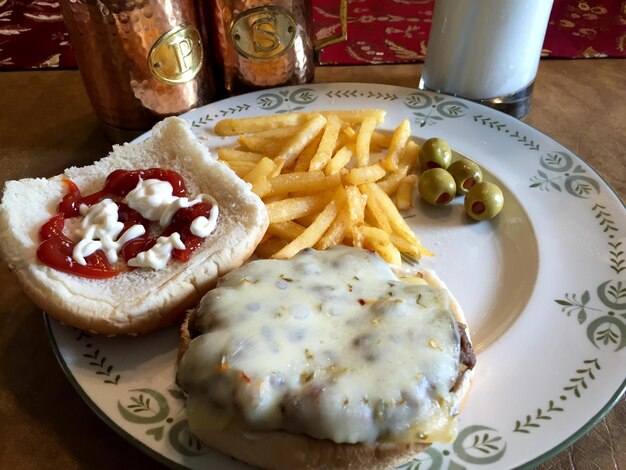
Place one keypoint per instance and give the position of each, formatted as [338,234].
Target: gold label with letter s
[263,33]
[176,57]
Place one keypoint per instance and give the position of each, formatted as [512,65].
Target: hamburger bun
[142,299]
[291,445]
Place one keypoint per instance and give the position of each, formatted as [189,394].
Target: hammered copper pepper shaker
[140,60]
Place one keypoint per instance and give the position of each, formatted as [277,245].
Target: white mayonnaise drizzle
[100,229]
[155,201]
[158,256]
[201,226]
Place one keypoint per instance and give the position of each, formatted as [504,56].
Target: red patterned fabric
[587,29]
[32,33]
[397,30]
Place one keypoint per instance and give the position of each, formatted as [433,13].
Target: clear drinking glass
[486,50]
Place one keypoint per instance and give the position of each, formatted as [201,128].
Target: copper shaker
[266,43]
[140,60]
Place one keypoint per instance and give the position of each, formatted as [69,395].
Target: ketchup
[118,183]
[55,248]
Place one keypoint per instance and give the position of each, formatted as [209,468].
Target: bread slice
[278,450]
[282,450]
[143,299]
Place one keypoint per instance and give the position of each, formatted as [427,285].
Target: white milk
[485,48]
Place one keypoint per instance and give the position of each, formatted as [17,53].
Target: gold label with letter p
[176,57]
[263,33]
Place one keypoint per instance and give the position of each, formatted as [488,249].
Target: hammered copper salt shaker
[140,60]
[267,43]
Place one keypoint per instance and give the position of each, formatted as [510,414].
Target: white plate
[543,287]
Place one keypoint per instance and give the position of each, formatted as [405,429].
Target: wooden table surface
[46,124]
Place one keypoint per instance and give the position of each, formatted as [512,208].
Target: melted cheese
[330,344]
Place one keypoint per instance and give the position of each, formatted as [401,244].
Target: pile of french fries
[328,178]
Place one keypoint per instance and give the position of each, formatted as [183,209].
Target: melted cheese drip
[330,344]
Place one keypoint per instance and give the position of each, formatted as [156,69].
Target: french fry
[241,168]
[378,198]
[364,174]
[313,232]
[258,175]
[269,199]
[304,159]
[336,232]
[304,182]
[315,193]
[339,160]
[297,142]
[327,144]
[381,139]
[359,115]
[265,146]
[350,133]
[379,241]
[267,248]
[410,154]
[306,220]
[407,162]
[355,207]
[234,155]
[404,246]
[398,141]
[391,183]
[375,235]
[286,230]
[278,169]
[227,127]
[261,187]
[262,169]
[374,215]
[363,141]
[277,133]
[405,192]
[296,207]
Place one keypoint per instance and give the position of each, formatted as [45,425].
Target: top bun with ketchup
[71,257]
[328,360]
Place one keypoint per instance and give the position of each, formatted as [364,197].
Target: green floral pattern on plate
[96,360]
[491,123]
[476,444]
[149,407]
[607,329]
[576,384]
[564,174]
[428,109]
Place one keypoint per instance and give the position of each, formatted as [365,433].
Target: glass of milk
[486,50]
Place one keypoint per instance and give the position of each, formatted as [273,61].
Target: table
[46,124]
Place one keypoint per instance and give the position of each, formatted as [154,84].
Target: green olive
[484,201]
[436,186]
[435,153]
[466,174]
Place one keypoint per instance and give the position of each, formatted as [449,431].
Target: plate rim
[120,431]
[553,451]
